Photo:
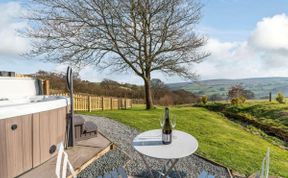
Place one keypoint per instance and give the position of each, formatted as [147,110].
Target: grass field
[271,113]
[219,139]
[269,117]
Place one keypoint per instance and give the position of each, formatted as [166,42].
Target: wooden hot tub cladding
[30,140]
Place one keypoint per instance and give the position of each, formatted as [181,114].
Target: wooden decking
[80,156]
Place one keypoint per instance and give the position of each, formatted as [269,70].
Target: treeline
[161,94]
[105,88]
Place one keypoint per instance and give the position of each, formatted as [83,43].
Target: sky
[246,39]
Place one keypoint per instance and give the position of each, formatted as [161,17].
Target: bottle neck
[166,114]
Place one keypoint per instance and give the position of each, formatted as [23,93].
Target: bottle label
[166,138]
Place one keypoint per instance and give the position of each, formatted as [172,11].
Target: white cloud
[263,54]
[227,60]
[270,40]
[271,33]
[11,43]
[217,48]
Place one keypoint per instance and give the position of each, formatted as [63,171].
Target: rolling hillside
[260,86]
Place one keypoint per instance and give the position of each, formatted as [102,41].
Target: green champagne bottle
[167,129]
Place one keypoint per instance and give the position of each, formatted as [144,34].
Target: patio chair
[119,173]
[205,174]
[66,163]
[264,173]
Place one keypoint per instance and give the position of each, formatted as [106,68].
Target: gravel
[124,155]
[113,159]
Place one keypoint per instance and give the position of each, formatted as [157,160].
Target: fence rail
[94,103]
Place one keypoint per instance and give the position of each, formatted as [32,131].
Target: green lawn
[219,139]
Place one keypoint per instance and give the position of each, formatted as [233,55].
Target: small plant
[242,99]
[235,101]
[238,100]
[204,99]
[280,98]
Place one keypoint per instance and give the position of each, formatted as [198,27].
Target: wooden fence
[138,101]
[94,103]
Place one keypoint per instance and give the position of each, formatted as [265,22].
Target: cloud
[270,40]
[271,33]
[217,48]
[228,60]
[11,43]
[264,53]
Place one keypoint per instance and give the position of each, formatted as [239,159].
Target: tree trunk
[148,94]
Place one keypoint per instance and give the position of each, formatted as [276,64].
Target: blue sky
[246,39]
[235,19]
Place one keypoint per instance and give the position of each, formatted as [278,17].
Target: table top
[149,143]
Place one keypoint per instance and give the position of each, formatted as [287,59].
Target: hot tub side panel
[49,129]
[15,146]
[26,141]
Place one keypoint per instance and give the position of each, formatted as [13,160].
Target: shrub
[242,99]
[239,91]
[204,99]
[238,100]
[280,97]
[235,101]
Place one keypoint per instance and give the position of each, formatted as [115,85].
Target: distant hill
[260,86]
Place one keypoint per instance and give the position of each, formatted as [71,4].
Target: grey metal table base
[164,173]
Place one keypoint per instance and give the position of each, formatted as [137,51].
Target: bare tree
[158,88]
[239,91]
[142,36]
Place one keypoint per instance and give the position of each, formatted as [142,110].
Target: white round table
[150,144]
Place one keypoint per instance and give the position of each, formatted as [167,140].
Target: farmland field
[259,86]
[220,139]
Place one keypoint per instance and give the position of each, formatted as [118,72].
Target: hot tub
[14,107]
[30,129]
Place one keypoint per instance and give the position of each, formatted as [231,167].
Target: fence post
[125,103]
[270,96]
[119,103]
[46,86]
[89,104]
[111,103]
[102,103]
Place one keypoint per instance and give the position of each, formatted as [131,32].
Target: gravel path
[122,135]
